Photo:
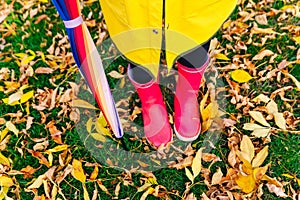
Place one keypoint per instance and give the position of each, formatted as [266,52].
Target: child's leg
[155,117]
[191,67]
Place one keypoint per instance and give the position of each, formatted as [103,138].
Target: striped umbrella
[88,60]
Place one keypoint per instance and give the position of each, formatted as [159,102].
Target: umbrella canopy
[88,60]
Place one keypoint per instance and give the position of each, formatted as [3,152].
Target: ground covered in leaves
[55,143]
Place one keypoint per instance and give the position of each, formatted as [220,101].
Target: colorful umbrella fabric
[88,60]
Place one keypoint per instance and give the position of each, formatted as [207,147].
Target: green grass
[284,147]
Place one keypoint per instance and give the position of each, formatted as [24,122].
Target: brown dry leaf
[260,157]
[263,54]
[257,116]
[279,191]
[115,74]
[217,177]
[262,19]
[77,171]
[44,70]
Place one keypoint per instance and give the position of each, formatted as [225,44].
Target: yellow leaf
[246,183]
[297,39]
[260,172]
[262,132]
[89,125]
[101,120]
[247,167]
[99,137]
[203,102]
[226,24]
[3,192]
[77,171]
[12,127]
[217,177]
[85,193]
[257,116]
[288,175]
[50,158]
[58,148]
[26,60]
[32,52]
[101,130]
[287,7]
[21,55]
[260,157]
[280,120]
[4,160]
[25,97]
[221,56]
[247,147]
[272,107]
[83,104]
[240,76]
[4,133]
[189,174]
[94,173]
[196,165]
[6,181]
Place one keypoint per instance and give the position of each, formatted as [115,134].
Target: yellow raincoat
[135,26]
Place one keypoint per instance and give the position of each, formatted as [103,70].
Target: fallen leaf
[196,165]
[280,120]
[257,116]
[12,127]
[240,76]
[6,181]
[189,174]
[260,157]
[247,147]
[272,107]
[77,171]
[25,97]
[246,183]
[277,190]
[251,127]
[263,54]
[115,74]
[261,132]
[262,98]
[221,56]
[217,177]
[44,70]
[83,104]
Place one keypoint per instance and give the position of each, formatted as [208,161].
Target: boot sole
[186,139]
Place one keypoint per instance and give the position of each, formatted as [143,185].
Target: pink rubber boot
[155,117]
[187,123]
